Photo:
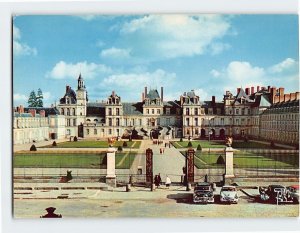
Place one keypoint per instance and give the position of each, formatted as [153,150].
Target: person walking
[168,182]
[158,179]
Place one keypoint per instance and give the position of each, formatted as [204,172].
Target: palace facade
[259,113]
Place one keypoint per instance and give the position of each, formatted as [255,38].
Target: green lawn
[248,160]
[221,144]
[57,160]
[94,144]
[204,144]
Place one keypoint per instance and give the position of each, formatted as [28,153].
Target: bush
[199,147]
[33,148]
[54,143]
[190,144]
[75,139]
[124,144]
[220,160]
[120,148]
[181,140]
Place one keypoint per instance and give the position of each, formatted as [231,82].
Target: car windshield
[202,188]
[228,189]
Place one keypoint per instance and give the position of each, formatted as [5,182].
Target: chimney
[281,91]
[281,98]
[252,90]
[292,96]
[213,99]
[276,99]
[269,88]
[257,88]
[286,97]
[238,90]
[162,94]
[67,88]
[146,92]
[42,113]
[32,112]
[143,96]
[21,109]
[273,94]
[297,95]
[247,91]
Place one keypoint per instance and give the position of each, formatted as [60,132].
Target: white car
[229,194]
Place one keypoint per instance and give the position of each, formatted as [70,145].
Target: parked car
[294,193]
[203,193]
[275,194]
[229,194]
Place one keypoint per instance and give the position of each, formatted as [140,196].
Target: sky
[206,53]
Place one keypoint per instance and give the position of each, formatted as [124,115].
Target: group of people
[157,181]
[158,142]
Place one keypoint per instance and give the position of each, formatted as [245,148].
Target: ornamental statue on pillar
[111,167]
[229,173]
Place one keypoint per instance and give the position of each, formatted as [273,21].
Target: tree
[199,147]
[220,160]
[190,144]
[120,148]
[32,99]
[33,148]
[75,139]
[125,144]
[39,98]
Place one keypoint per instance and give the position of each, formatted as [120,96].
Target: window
[147,111]
[133,122]
[152,111]
[62,111]
[68,112]
[243,111]
[74,111]
[196,111]
[117,111]
[168,111]
[187,111]
[158,111]
[118,122]
[87,131]
[95,131]
[109,112]
[237,112]
[140,121]
[196,121]
[109,131]
[168,121]
[222,121]
[74,122]
[196,131]
[187,121]
[158,121]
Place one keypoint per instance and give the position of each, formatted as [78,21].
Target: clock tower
[82,98]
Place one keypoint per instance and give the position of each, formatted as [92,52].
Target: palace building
[258,113]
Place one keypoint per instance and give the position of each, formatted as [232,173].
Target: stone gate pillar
[111,167]
[229,173]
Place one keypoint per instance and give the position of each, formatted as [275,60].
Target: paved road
[169,163]
[142,203]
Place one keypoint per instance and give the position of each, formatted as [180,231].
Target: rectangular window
[196,111]
[237,112]
[140,121]
[133,122]
[74,122]
[187,111]
[196,121]
[117,111]
[168,111]
[158,111]
[187,121]
[109,121]
[109,111]
[152,111]
[118,122]
[147,111]
[87,131]
[95,131]
[109,131]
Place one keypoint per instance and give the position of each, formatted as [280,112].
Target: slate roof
[133,108]
[152,95]
[48,111]
[69,93]
[96,109]
[290,106]
[173,105]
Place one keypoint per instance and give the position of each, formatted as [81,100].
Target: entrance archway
[222,133]
[202,133]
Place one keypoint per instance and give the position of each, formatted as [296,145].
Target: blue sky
[207,53]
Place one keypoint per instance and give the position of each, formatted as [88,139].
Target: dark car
[274,194]
[203,193]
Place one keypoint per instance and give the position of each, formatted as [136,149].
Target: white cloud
[87,17]
[215,73]
[170,36]
[288,64]
[217,48]
[63,70]
[20,48]
[241,71]
[115,53]
[20,97]
[129,84]
[46,95]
